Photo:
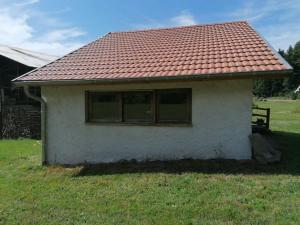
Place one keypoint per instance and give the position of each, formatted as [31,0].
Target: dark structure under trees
[19,115]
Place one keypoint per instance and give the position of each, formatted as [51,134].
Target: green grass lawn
[187,192]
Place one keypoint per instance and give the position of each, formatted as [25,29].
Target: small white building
[157,94]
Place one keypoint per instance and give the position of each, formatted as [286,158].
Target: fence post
[1,110]
[268,118]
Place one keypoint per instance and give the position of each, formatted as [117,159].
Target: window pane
[105,107]
[137,106]
[173,105]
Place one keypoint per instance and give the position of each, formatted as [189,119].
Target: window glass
[138,106]
[158,106]
[173,105]
[105,107]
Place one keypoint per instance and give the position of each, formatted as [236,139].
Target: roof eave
[216,76]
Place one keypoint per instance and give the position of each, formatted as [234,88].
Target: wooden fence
[261,117]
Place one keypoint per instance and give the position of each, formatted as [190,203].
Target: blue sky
[60,26]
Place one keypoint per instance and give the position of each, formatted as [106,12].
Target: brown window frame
[154,106]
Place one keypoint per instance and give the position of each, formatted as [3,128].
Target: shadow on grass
[287,143]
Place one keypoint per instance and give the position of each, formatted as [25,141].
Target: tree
[293,57]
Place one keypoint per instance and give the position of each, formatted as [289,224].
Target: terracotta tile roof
[226,48]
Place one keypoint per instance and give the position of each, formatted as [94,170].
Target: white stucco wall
[221,124]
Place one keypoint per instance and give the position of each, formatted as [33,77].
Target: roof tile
[192,50]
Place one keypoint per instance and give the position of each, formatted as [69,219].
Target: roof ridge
[179,27]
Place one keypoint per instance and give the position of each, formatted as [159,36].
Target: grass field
[189,192]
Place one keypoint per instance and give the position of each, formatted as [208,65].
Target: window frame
[154,107]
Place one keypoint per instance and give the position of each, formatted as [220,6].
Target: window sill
[140,124]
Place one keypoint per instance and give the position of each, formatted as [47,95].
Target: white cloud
[257,10]
[25,3]
[185,18]
[281,35]
[249,12]
[14,30]
[17,29]
[62,34]
[278,21]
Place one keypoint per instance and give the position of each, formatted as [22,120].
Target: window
[145,107]
[173,106]
[104,107]
[138,106]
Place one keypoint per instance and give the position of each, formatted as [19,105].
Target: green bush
[294,96]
